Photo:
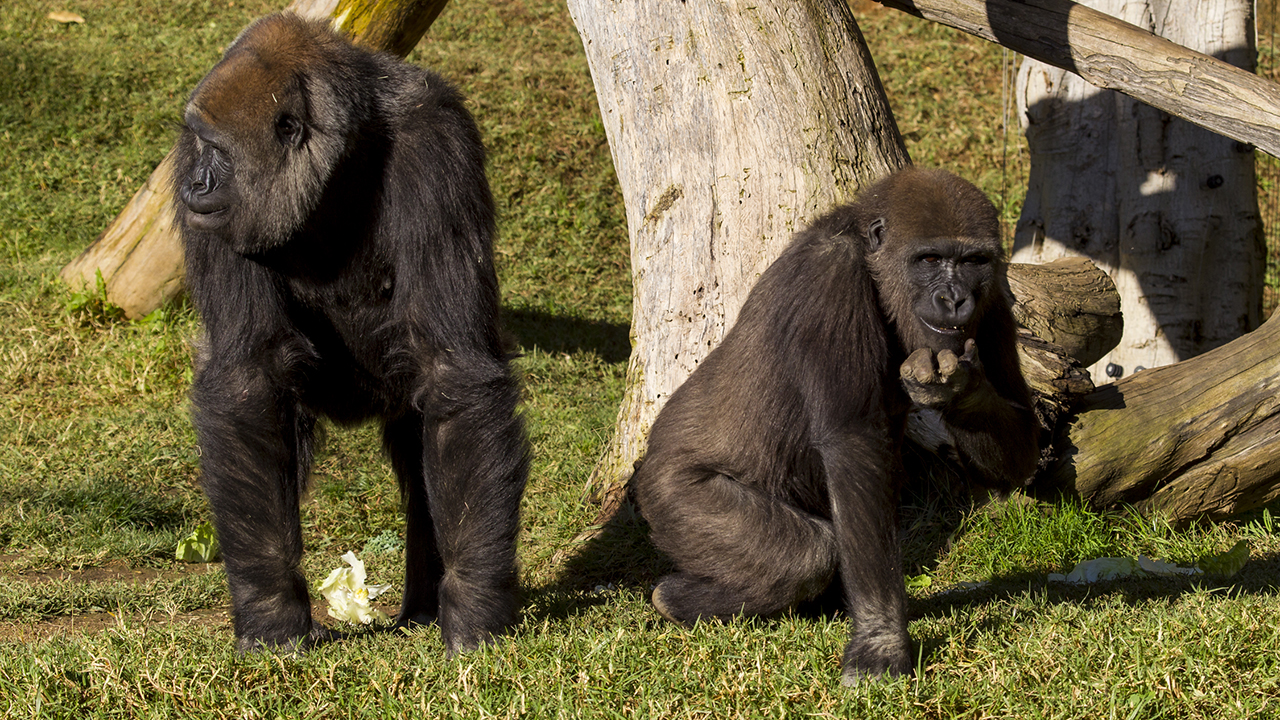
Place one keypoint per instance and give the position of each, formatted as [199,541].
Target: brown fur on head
[277,111]
[933,242]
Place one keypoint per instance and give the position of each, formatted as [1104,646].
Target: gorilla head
[936,258]
[270,123]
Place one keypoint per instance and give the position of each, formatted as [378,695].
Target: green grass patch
[98,460]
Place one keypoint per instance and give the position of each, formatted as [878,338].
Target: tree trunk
[1167,208]
[731,125]
[139,255]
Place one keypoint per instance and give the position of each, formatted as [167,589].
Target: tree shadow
[556,334]
[1258,578]
[618,552]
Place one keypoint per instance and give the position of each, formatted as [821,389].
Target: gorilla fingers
[936,381]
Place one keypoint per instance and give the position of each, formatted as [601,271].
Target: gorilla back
[338,226]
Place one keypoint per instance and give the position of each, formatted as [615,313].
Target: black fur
[775,468]
[338,229]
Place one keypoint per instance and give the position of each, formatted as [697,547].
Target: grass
[98,461]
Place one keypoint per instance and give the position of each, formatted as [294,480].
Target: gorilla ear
[289,130]
[875,234]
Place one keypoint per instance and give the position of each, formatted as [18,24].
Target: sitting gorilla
[775,468]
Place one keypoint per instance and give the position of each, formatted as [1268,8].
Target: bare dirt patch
[111,572]
[217,620]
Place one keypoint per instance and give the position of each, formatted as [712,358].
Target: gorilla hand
[937,382]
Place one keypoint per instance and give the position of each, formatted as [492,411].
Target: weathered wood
[732,124]
[1167,208]
[393,26]
[1051,372]
[139,254]
[1116,55]
[1200,438]
[1069,302]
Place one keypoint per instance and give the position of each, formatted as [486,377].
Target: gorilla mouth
[211,220]
[943,330]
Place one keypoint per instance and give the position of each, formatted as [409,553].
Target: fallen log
[1196,439]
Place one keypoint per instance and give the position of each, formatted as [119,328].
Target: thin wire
[1005,93]
[1271,230]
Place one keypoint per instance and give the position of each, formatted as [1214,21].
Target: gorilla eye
[288,130]
[930,258]
[975,260]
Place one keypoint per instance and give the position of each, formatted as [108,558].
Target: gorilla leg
[255,444]
[863,480]
[474,468]
[422,568]
[740,551]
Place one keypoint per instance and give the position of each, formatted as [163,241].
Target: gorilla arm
[995,436]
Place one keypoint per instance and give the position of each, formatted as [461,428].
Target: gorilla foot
[318,635]
[685,599]
[876,656]
[662,605]
[414,619]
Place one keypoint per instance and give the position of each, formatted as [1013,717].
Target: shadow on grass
[556,334]
[1259,577]
[619,551]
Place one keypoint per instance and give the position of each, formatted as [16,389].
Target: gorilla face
[266,130]
[935,253]
[952,278]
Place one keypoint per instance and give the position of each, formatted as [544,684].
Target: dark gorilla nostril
[205,180]
[953,308]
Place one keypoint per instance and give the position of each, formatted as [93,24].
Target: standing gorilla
[338,229]
[776,465]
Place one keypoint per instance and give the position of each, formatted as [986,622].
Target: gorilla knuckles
[337,226]
[773,471]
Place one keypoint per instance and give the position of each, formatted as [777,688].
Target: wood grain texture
[1200,438]
[1166,207]
[1069,302]
[1116,55]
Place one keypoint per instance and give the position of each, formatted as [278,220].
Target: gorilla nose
[957,308]
[200,195]
[203,181]
[199,200]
